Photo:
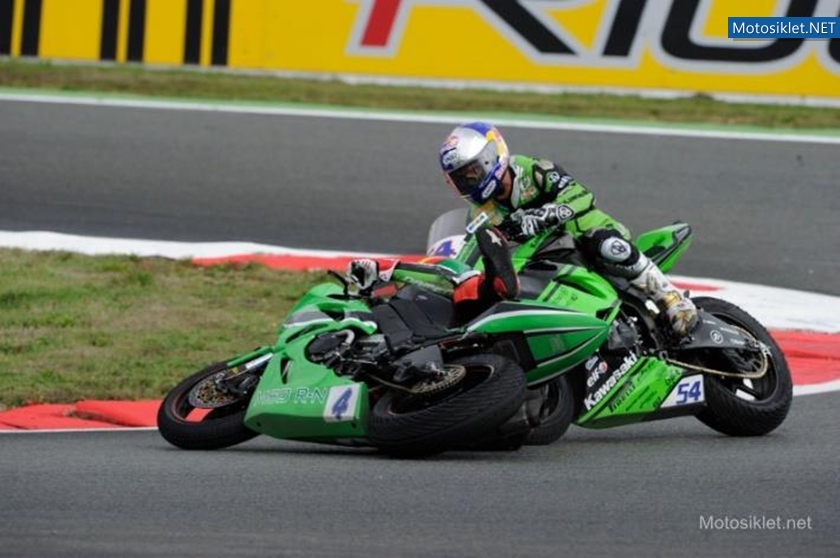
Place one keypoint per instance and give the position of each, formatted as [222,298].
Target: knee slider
[614,253]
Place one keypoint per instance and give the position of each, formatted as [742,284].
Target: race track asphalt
[636,491]
[763,212]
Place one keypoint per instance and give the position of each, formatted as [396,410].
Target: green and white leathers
[606,242]
[537,182]
[399,373]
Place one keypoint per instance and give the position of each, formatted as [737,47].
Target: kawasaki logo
[592,399]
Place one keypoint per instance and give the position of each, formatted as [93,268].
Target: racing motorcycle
[598,354]
[401,374]
[345,370]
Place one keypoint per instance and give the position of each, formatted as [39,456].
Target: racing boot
[680,310]
[498,266]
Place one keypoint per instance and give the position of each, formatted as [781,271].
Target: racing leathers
[543,195]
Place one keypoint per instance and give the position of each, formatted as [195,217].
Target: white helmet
[474,159]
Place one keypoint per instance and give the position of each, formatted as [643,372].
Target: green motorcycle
[401,374]
[625,365]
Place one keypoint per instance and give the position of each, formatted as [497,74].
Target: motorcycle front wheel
[197,415]
[556,412]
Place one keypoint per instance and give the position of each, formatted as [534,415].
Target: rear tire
[220,428]
[739,407]
[492,391]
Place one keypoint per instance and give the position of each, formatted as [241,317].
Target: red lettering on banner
[380,23]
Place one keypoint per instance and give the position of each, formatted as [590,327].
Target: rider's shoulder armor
[558,186]
[537,181]
[550,177]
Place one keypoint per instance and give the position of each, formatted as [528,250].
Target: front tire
[741,407]
[556,412]
[492,390]
[220,428]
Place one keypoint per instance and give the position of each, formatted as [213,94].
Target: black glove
[534,221]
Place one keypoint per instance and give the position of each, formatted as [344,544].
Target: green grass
[240,87]
[80,327]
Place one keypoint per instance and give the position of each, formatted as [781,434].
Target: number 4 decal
[341,403]
[689,390]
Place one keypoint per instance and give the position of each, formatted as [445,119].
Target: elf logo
[594,398]
[671,30]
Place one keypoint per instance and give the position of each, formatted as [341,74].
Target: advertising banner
[671,45]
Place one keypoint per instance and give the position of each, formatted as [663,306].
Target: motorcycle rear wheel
[491,391]
[741,407]
[222,427]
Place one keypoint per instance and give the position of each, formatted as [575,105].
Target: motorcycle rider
[538,195]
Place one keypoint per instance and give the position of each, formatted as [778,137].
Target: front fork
[239,380]
[248,358]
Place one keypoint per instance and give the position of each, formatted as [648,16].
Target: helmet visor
[469,177]
[474,174]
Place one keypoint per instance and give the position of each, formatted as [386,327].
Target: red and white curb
[806,325]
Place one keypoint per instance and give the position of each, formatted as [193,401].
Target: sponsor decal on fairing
[689,390]
[595,397]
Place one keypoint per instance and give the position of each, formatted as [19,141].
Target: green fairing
[531,316]
[300,407]
[575,347]
[299,400]
[430,280]
[570,318]
[325,297]
[563,320]
[635,396]
[579,288]
[558,339]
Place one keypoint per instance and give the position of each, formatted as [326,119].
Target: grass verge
[117,327]
[245,87]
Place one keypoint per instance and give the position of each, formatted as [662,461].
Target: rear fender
[665,246]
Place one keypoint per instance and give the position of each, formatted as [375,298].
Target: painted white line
[403,117]
[776,307]
[813,389]
[98,246]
